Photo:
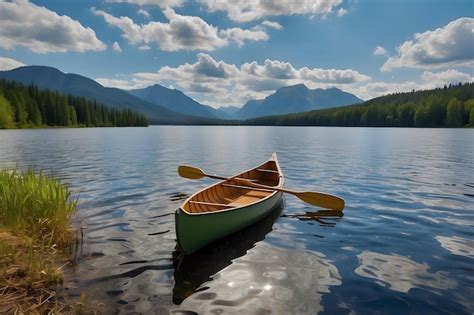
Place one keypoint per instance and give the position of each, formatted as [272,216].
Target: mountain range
[295,99]
[164,106]
[177,101]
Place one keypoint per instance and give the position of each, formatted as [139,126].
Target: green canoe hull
[196,231]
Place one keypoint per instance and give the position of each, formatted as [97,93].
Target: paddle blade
[322,200]
[190,172]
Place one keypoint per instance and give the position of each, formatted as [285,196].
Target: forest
[28,107]
[450,106]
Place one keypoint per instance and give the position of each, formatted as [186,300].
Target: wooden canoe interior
[231,193]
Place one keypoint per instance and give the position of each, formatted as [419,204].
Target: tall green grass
[36,205]
[35,241]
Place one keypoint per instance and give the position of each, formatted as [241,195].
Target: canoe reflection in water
[197,268]
[250,276]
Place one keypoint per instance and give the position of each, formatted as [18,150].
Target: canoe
[228,206]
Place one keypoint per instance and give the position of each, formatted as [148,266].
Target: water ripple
[404,244]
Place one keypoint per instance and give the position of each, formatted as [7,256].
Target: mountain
[51,78]
[295,99]
[228,110]
[451,106]
[174,100]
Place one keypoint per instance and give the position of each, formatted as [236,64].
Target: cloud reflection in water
[401,273]
[457,245]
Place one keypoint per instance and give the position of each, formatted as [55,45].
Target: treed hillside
[49,78]
[26,106]
[451,106]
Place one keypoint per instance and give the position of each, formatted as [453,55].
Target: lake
[404,245]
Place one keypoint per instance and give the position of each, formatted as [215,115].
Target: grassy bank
[36,239]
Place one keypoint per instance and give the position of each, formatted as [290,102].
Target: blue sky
[227,52]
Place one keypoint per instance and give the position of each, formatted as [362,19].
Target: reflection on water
[193,270]
[268,280]
[457,245]
[323,217]
[404,245]
[401,273]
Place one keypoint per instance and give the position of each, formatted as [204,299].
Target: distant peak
[35,67]
[297,87]
[159,86]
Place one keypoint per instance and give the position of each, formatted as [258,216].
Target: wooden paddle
[315,198]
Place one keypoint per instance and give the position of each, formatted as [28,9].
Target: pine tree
[471,117]
[72,116]
[35,117]
[6,114]
[454,117]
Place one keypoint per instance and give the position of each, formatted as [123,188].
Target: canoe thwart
[268,171]
[247,179]
[210,204]
[246,187]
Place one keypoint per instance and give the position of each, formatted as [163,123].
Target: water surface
[404,245]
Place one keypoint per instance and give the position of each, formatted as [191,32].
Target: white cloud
[375,89]
[380,51]
[24,24]
[428,80]
[245,11]
[272,24]
[341,12]
[9,64]
[161,3]
[182,32]
[205,69]
[119,83]
[445,78]
[449,45]
[144,47]
[284,70]
[144,13]
[116,47]
[239,36]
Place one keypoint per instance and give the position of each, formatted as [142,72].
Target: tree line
[28,107]
[451,106]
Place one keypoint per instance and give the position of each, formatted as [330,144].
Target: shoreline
[37,243]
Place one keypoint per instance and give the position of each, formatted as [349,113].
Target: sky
[224,53]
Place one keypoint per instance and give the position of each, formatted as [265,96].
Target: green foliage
[35,204]
[31,107]
[455,113]
[6,114]
[406,114]
[435,111]
[421,118]
[468,106]
[429,108]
